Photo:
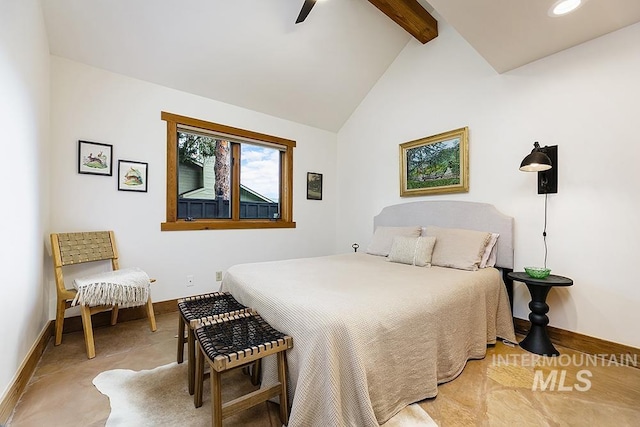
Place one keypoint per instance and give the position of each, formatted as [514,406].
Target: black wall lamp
[543,160]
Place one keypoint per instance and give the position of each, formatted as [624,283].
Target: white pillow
[383,238]
[412,250]
[490,252]
[458,248]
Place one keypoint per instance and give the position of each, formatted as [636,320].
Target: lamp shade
[537,161]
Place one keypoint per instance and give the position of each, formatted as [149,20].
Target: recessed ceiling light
[562,7]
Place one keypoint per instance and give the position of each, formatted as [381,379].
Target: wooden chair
[77,248]
[234,341]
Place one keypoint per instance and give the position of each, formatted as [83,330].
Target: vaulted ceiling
[250,53]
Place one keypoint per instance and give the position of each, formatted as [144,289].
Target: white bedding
[371,336]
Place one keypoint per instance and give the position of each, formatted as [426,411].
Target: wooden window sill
[204,224]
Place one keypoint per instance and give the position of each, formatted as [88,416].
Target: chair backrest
[77,248]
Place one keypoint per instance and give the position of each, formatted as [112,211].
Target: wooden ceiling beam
[411,16]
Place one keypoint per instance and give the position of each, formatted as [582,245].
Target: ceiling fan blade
[306,8]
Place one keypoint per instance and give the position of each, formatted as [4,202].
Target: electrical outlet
[189,281]
[218,276]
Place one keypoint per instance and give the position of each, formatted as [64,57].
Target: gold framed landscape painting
[437,164]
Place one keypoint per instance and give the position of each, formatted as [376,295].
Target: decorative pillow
[489,256]
[412,250]
[383,238]
[458,248]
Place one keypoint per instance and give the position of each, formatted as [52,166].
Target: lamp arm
[544,230]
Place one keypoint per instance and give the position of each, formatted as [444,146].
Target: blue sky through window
[260,170]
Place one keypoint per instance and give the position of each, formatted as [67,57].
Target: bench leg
[282,377]
[180,354]
[198,378]
[216,399]
[256,372]
[191,358]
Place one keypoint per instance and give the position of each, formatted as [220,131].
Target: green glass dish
[537,272]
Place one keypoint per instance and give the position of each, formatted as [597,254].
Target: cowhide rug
[159,397]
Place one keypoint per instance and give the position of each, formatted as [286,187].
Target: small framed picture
[95,158]
[314,186]
[132,176]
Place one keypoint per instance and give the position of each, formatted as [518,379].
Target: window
[220,177]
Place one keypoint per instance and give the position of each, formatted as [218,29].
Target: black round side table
[537,340]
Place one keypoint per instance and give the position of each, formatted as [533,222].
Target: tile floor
[495,391]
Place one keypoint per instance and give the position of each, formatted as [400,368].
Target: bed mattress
[371,336]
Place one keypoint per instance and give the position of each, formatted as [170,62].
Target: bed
[372,336]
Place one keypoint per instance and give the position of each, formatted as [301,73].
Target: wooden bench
[235,341]
[193,311]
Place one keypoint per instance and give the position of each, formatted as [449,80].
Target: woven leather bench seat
[209,305]
[233,341]
[195,309]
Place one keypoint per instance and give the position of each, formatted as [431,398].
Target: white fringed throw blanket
[128,287]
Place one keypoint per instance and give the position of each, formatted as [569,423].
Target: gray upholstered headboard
[454,214]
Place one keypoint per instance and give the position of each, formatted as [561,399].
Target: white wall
[585,100]
[95,105]
[24,169]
